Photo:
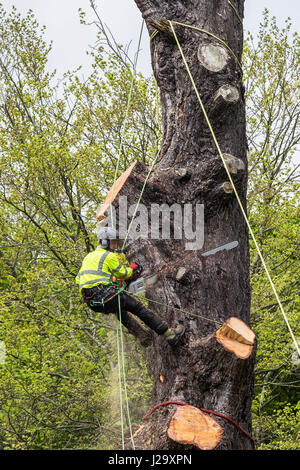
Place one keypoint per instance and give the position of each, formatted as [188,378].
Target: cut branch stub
[180,172]
[180,273]
[234,164]
[226,188]
[213,57]
[223,100]
[161,25]
[237,337]
[114,191]
[227,94]
[191,426]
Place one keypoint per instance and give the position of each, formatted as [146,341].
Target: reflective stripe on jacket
[99,267]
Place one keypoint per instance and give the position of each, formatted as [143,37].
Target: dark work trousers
[127,304]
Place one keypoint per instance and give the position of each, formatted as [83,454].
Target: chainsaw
[137,285]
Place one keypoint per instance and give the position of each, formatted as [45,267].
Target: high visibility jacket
[99,267]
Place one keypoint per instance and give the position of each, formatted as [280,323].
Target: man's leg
[149,318]
[132,305]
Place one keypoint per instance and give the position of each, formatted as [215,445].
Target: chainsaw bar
[228,246]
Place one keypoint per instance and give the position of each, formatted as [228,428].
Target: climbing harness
[105,292]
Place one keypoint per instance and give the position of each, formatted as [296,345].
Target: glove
[133,266]
[137,269]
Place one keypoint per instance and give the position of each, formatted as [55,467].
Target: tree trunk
[199,371]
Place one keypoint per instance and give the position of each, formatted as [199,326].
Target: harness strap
[106,298]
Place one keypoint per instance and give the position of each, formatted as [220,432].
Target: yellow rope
[235,11]
[210,34]
[176,308]
[124,375]
[233,186]
[120,388]
[120,350]
[139,200]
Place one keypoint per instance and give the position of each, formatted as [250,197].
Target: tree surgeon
[101,275]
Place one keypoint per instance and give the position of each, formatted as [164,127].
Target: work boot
[174,335]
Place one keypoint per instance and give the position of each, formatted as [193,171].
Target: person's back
[100,267]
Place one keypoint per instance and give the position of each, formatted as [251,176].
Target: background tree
[56,143]
[270,63]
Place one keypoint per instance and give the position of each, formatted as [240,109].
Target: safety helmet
[106,234]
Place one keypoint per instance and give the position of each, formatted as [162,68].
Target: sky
[71,39]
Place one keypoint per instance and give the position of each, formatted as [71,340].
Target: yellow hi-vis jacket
[100,267]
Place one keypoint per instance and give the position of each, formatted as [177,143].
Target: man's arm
[118,269]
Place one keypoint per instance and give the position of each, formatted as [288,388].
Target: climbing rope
[178,309]
[119,334]
[232,183]
[124,380]
[140,198]
[204,410]
[235,11]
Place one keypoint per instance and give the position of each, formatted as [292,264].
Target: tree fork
[199,371]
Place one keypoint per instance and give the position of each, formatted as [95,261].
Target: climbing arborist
[100,279]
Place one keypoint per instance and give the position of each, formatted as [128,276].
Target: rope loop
[204,410]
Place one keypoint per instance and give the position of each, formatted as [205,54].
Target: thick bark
[199,371]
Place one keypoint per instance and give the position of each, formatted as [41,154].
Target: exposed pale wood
[237,337]
[189,425]
[227,93]
[181,172]
[180,273]
[223,102]
[213,57]
[114,191]
[234,164]
[227,188]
